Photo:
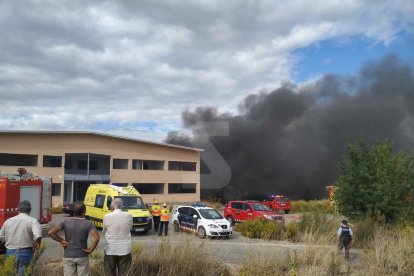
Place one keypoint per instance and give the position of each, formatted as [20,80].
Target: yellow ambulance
[98,200]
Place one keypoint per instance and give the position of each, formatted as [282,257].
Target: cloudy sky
[131,67]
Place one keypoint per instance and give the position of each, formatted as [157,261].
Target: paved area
[233,250]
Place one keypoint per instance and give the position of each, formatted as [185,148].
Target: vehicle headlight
[212,226]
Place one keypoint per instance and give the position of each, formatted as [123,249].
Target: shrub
[292,231]
[261,229]
[318,206]
[375,182]
[8,266]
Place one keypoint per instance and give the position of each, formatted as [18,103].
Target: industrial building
[74,160]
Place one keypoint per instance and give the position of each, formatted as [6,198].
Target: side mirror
[195,217]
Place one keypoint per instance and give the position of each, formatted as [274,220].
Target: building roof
[97,134]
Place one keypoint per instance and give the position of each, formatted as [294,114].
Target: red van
[240,210]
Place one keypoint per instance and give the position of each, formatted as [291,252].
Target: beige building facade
[74,160]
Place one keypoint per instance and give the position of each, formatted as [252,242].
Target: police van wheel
[176,226]
[202,232]
[230,219]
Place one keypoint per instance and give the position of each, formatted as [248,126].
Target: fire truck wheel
[176,226]
[230,219]
[286,211]
[202,232]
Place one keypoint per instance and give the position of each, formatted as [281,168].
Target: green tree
[375,182]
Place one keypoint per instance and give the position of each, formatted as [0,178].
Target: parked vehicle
[98,200]
[241,210]
[278,202]
[202,220]
[15,188]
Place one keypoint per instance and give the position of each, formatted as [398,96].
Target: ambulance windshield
[210,214]
[132,202]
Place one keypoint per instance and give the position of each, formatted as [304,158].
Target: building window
[120,164]
[149,188]
[182,166]
[93,165]
[68,164]
[56,189]
[82,165]
[51,161]
[182,188]
[137,164]
[9,159]
[155,165]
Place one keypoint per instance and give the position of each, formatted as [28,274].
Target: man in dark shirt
[75,244]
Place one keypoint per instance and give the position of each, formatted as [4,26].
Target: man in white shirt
[23,236]
[117,228]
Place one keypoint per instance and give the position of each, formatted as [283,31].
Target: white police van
[202,220]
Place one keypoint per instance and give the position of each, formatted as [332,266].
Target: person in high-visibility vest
[156,212]
[165,219]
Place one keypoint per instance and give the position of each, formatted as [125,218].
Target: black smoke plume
[289,141]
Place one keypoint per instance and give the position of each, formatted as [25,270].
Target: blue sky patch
[346,55]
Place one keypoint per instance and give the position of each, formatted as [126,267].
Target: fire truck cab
[15,188]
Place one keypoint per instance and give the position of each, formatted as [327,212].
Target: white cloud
[76,65]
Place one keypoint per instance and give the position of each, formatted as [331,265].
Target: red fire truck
[24,186]
[277,202]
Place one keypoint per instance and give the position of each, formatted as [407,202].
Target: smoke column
[290,141]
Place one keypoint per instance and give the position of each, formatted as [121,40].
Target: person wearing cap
[156,212]
[164,220]
[23,236]
[345,238]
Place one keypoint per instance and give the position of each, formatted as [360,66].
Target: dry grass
[390,252]
[185,258]
[318,206]
[214,203]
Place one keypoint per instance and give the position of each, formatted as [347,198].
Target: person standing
[117,228]
[345,238]
[75,244]
[164,220]
[23,236]
[156,212]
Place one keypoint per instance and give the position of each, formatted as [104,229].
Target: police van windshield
[132,202]
[210,214]
[259,207]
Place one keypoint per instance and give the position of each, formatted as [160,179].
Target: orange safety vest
[156,210]
[165,214]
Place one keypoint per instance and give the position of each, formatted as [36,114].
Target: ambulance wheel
[176,226]
[230,219]
[202,232]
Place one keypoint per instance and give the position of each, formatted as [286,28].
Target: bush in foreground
[261,229]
